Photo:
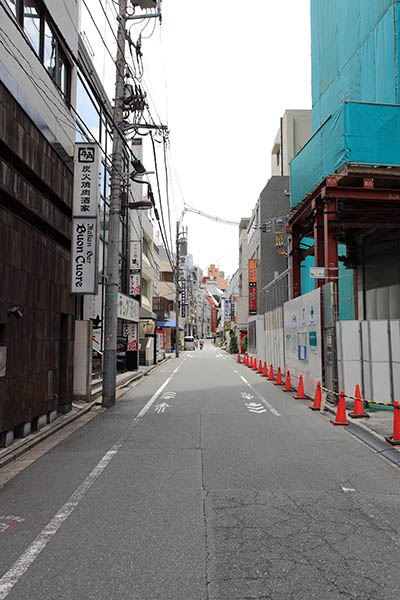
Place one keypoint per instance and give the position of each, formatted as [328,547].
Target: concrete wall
[274,202]
[294,132]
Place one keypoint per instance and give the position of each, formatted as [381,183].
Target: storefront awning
[168,323]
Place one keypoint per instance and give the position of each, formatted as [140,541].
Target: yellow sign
[227,325]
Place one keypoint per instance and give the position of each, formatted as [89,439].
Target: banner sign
[131,333]
[183,299]
[136,256]
[84,253]
[128,308]
[86,180]
[252,298]
[134,284]
[227,310]
[252,270]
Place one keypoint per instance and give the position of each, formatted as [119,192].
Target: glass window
[87,110]
[50,51]
[32,24]
[12,5]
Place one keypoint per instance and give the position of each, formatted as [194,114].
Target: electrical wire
[167,187]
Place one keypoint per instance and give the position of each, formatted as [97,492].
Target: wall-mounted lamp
[16,311]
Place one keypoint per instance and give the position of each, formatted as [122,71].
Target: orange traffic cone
[317,398]
[340,418]
[278,380]
[259,367]
[358,411]
[244,359]
[251,362]
[395,439]
[300,390]
[271,372]
[288,385]
[264,373]
[255,364]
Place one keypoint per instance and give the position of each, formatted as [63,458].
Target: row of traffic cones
[340,418]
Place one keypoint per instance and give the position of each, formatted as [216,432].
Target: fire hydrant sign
[84,263]
[86,180]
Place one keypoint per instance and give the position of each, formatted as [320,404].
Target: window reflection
[12,5]
[87,110]
[32,24]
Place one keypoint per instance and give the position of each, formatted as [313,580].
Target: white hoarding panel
[303,349]
[86,180]
[127,308]
[84,254]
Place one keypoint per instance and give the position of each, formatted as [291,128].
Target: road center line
[263,400]
[27,558]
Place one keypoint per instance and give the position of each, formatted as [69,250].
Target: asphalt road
[204,482]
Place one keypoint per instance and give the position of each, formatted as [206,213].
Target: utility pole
[177,307]
[111,320]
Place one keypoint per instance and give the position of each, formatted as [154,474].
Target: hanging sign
[136,256]
[134,284]
[127,308]
[131,333]
[86,180]
[84,251]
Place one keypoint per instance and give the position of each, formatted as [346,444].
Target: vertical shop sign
[84,279]
[252,286]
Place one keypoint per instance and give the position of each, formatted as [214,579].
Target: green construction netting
[360,133]
[353,53]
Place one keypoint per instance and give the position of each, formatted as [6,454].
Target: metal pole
[110,343]
[177,293]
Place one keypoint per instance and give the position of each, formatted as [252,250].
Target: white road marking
[348,489]
[263,400]
[27,558]
[168,395]
[247,396]
[256,408]
[160,408]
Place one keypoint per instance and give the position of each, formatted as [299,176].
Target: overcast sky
[221,74]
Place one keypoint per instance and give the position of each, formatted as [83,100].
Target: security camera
[15,310]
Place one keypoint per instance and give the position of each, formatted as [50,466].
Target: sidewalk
[21,445]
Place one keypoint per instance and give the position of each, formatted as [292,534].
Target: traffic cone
[340,418]
[300,390]
[271,372]
[259,367]
[317,398]
[239,361]
[278,380]
[358,411]
[251,362]
[288,385]
[255,364]
[395,439]
[264,373]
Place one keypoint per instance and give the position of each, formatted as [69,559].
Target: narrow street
[205,482]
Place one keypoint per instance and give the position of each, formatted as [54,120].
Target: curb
[19,448]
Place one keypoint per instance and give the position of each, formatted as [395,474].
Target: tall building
[294,131]
[37,135]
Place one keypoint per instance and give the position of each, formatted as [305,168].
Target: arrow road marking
[246,396]
[256,408]
[160,408]
[168,396]
[263,400]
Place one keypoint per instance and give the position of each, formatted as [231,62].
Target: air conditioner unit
[145,3]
